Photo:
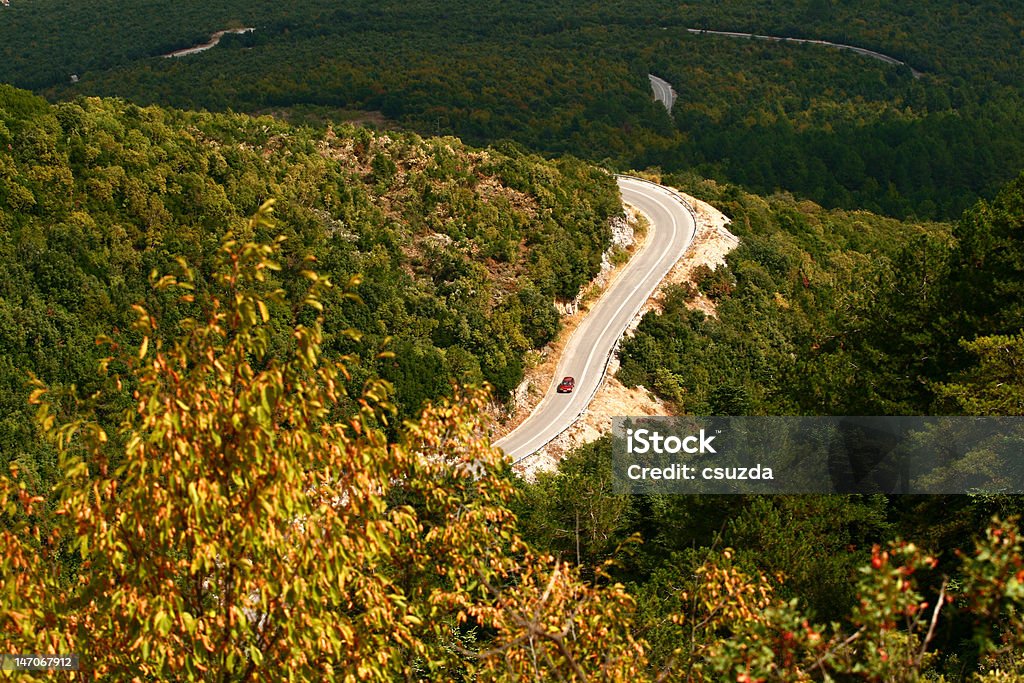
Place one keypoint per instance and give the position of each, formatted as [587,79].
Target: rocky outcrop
[623,237]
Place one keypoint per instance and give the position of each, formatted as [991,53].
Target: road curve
[663,91]
[841,46]
[586,355]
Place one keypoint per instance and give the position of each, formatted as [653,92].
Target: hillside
[461,253]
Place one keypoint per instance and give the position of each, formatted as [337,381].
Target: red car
[567,385]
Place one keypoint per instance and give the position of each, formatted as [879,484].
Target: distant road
[586,355]
[663,91]
[841,46]
[214,39]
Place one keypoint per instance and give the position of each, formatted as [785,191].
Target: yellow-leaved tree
[238,526]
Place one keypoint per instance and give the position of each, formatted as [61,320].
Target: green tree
[986,282]
[574,514]
[994,383]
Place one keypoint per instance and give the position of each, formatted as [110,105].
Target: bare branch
[931,626]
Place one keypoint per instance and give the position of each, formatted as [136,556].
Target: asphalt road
[852,48]
[213,42]
[663,91]
[588,351]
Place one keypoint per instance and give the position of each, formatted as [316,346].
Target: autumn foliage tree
[237,526]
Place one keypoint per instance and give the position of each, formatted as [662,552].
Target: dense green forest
[842,129]
[461,252]
[880,271]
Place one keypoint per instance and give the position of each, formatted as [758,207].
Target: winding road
[586,355]
[852,48]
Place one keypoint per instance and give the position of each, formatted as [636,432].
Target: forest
[841,129]
[448,260]
[817,312]
[258,304]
